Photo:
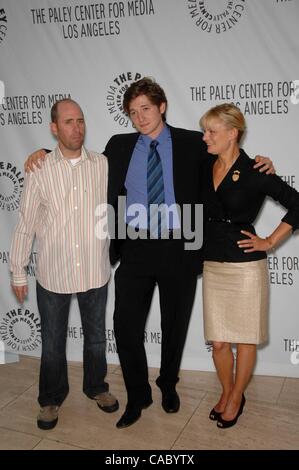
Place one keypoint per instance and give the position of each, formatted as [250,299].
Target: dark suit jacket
[238,199]
[189,151]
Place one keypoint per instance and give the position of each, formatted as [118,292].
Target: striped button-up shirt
[62,205]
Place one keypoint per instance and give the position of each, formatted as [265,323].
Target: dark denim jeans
[54,313]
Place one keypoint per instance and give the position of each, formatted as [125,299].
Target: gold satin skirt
[235,301]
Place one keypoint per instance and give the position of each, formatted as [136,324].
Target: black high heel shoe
[222,423]
[214,415]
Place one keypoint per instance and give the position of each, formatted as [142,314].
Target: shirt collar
[162,138]
[84,154]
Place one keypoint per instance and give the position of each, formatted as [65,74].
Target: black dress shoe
[170,401]
[223,423]
[132,414]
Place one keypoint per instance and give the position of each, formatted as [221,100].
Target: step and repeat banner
[203,53]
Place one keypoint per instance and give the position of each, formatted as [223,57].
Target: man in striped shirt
[58,207]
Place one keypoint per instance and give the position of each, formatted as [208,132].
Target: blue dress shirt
[136,180]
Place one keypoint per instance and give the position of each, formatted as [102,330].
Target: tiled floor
[270,419]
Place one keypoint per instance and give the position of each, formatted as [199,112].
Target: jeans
[54,313]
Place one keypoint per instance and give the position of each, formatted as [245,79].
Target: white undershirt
[74,161]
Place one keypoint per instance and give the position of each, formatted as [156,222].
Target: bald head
[68,126]
[56,105]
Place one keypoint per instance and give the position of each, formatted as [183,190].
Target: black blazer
[189,151]
[235,206]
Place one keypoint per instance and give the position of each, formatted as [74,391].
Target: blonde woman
[235,276]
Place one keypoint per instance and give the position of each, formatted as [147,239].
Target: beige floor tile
[10,388]
[202,380]
[261,426]
[289,396]
[26,368]
[20,415]
[16,378]
[264,388]
[13,440]
[155,429]
[82,424]
[117,369]
[47,444]
[270,418]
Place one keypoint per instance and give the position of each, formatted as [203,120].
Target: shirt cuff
[19,279]
[291,220]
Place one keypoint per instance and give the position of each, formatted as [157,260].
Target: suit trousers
[145,264]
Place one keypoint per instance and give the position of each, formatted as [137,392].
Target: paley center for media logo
[115,94]
[20,330]
[216,16]
[12,180]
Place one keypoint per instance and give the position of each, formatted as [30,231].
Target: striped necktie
[155,192]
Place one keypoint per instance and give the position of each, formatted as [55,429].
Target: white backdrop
[202,53]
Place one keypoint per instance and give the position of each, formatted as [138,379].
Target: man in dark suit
[147,262]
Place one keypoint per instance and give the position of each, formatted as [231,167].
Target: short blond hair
[229,114]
